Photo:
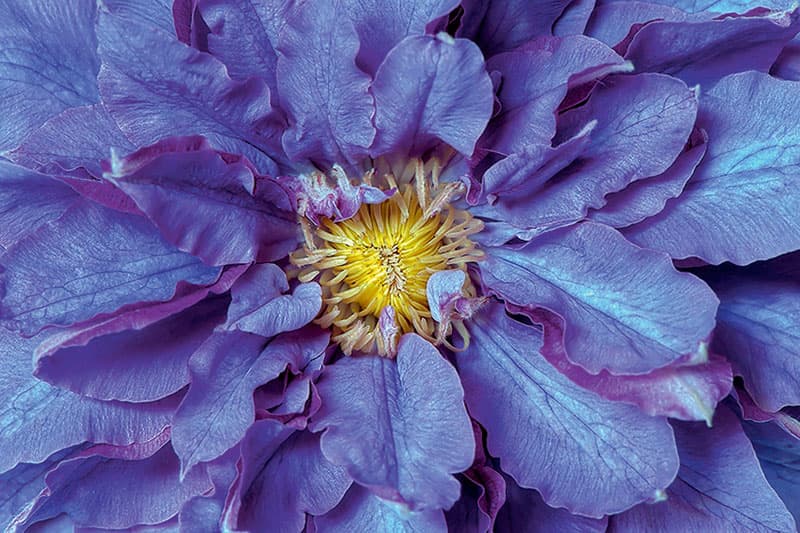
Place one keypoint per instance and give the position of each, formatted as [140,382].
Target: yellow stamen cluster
[384,255]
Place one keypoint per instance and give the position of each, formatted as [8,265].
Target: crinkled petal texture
[741,204]
[779,454]
[627,310]
[398,426]
[590,455]
[720,486]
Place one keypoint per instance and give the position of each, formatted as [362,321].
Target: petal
[787,66]
[428,89]
[501,26]
[708,50]
[49,63]
[362,511]
[88,262]
[525,506]
[212,209]
[685,392]
[574,18]
[483,493]
[758,321]
[38,419]
[180,91]
[322,91]
[724,6]
[741,204]
[720,486]
[78,137]
[582,452]
[397,19]
[29,200]
[627,310]
[259,307]
[156,13]
[397,426]
[294,480]
[612,22]
[225,371]
[206,510]
[117,488]
[529,100]
[647,197]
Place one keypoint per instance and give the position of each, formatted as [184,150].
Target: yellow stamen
[385,254]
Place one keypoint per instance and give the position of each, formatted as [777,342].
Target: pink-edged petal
[323,92]
[627,310]
[362,511]
[741,204]
[720,486]
[398,426]
[225,370]
[431,89]
[580,451]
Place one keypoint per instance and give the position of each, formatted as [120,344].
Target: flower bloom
[399,266]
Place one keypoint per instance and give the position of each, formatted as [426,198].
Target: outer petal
[362,511]
[323,92]
[741,204]
[213,209]
[48,64]
[685,392]
[78,137]
[117,488]
[703,52]
[724,6]
[643,122]
[758,321]
[720,486]
[779,454]
[398,426]
[294,480]
[525,510]
[225,371]
[180,91]
[430,89]
[582,452]
[529,99]
[88,262]
[156,13]
[626,309]
[37,419]
[613,22]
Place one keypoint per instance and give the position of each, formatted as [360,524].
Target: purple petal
[29,200]
[213,209]
[612,22]
[574,18]
[88,262]
[723,6]
[645,198]
[225,371]
[627,310]
[741,204]
[529,100]
[156,13]
[117,488]
[483,493]
[609,456]
[206,510]
[501,26]
[397,19]
[29,405]
[758,320]
[285,485]
[323,92]
[259,307]
[720,486]
[362,511]
[779,454]
[398,426]
[685,392]
[180,91]
[49,63]
[525,510]
[787,66]
[708,50]
[78,137]
[429,89]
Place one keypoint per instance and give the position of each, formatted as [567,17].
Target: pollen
[383,257]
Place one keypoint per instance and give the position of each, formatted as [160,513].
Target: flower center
[383,256]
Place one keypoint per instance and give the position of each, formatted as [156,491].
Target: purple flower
[399,266]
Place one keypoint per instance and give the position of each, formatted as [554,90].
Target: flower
[267,268]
